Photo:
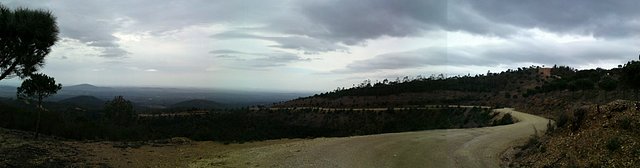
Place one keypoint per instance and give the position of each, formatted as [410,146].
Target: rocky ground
[589,136]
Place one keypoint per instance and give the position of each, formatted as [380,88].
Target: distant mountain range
[94,103]
[157,97]
[83,87]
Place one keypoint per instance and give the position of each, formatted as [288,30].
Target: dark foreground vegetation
[241,125]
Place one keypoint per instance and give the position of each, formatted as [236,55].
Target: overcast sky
[323,44]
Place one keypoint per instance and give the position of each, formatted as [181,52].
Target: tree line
[625,76]
[118,122]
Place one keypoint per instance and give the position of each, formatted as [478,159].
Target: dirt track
[476,147]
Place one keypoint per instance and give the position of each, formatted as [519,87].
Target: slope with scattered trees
[509,88]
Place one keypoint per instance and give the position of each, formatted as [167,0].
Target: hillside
[494,89]
[588,133]
[588,136]
[87,102]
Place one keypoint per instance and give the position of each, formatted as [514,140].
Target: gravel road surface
[474,147]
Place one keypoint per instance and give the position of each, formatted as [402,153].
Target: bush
[584,84]
[533,142]
[506,119]
[120,111]
[625,123]
[608,84]
[614,143]
[578,117]
[550,127]
[562,119]
[619,108]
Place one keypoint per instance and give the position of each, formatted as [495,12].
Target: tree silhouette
[631,76]
[119,110]
[26,37]
[38,87]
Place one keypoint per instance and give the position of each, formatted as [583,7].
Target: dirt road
[476,147]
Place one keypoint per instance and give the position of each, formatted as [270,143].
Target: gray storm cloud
[258,60]
[286,32]
[574,54]
[322,26]
[607,19]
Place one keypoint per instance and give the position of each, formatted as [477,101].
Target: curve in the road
[475,147]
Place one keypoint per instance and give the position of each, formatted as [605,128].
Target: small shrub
[625,123]
[533,142]
[614,143]
[579,115]
[562,120]
[619,108]
[636,151]
[506,119]
[550,127]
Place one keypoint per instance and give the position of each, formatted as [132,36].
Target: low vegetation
[240,125]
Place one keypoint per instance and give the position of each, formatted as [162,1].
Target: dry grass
[169,154]
[591,137]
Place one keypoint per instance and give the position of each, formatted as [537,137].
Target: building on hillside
[544,72]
